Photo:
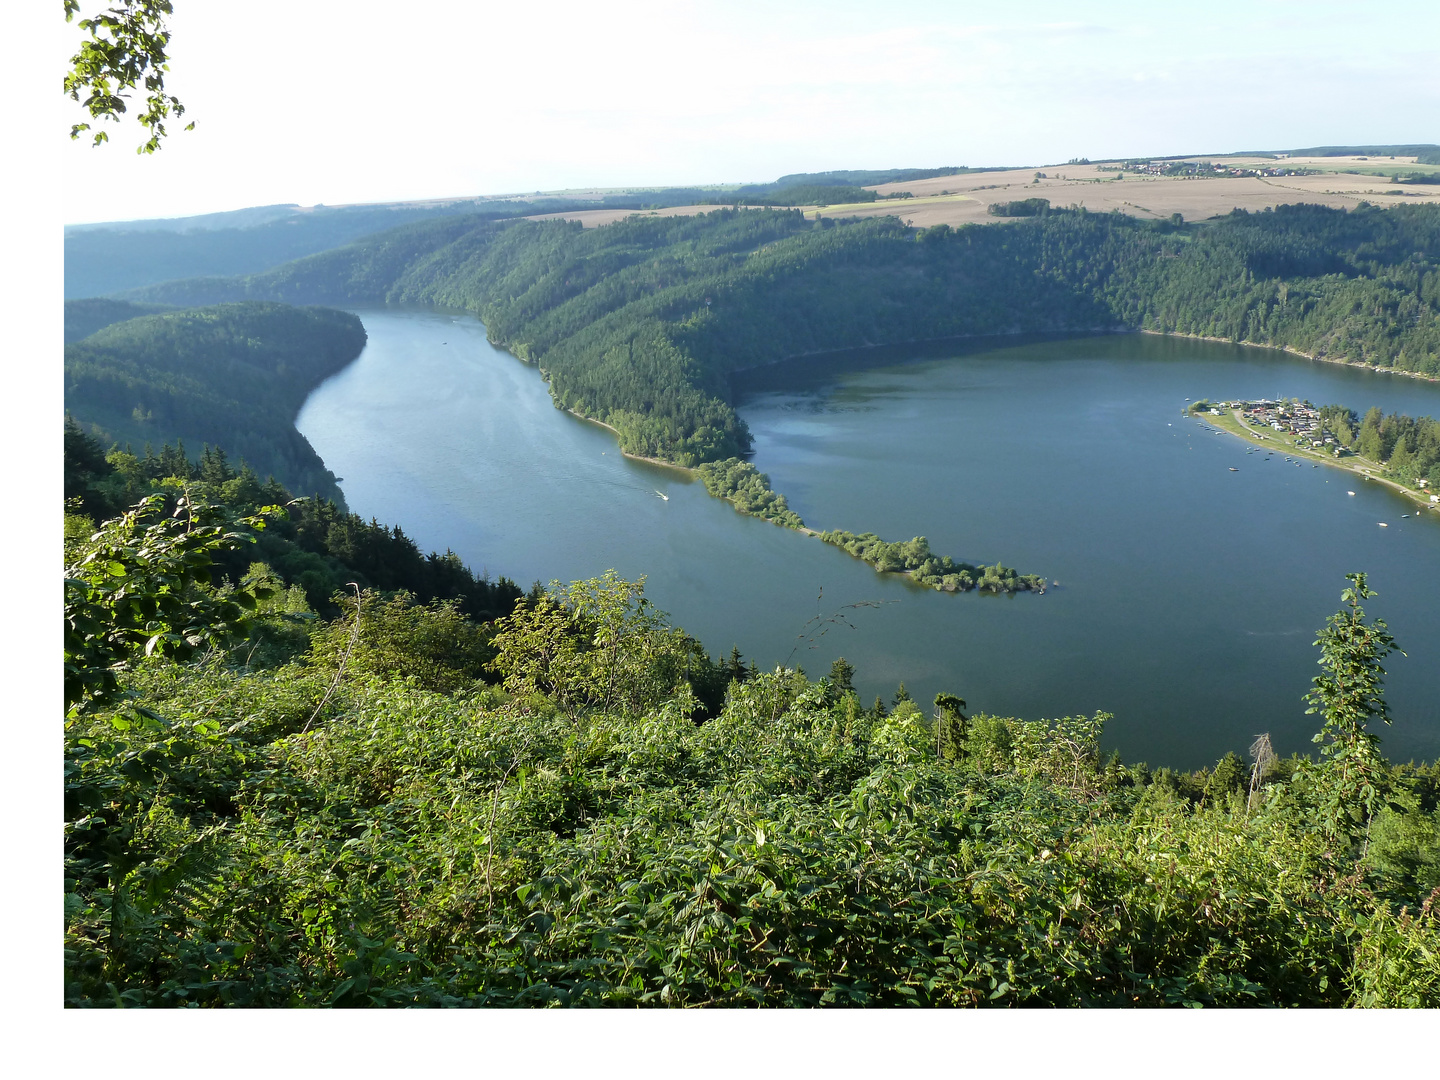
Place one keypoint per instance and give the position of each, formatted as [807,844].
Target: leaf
[342,990]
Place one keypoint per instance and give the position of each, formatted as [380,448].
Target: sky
[303,101]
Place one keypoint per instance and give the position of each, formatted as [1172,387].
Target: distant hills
[1424,153]
[114,257]
[111,257]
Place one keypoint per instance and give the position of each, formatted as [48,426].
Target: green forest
[86,317]
[231,376]
[640,324]
[394,799]
[1408,447]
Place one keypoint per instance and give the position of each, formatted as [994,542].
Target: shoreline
[1258,439]
[1360,365]
[1094,331]
[626,453]
[1084,332]
[871,346]
[1240,430]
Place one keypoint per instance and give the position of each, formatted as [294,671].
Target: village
[1200,168]
[1300,419]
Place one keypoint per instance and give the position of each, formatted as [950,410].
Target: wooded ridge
[232,376]
[638,324]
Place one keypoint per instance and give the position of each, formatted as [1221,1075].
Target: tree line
[1408,447]
[749,491]
[915,559]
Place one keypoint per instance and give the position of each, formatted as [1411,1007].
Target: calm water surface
[1189,595]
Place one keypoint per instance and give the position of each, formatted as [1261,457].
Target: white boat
[663,495]
[1349,493]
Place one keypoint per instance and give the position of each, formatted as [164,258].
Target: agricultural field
[958,199]
[593,218]
[1100,190]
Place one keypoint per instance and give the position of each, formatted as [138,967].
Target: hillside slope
[232,376]
[638,324]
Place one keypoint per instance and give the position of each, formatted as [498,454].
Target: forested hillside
[109,258]
[314,547]
[638,324]
[570,804]
[232,376]
[85,317]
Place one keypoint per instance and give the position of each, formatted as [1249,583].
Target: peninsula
[1404,462]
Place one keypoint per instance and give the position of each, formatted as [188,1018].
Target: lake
[1188,596]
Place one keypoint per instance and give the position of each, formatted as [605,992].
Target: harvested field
[963,198]
[1142,196]
[1380,166]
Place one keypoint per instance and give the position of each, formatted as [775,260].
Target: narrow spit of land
[1232,421]
[748,490]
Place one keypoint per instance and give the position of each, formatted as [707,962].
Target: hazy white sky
[307,101]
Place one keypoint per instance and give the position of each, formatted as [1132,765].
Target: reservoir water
[1189,594]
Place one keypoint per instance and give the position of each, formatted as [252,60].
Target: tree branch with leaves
[126,49]
[141,586]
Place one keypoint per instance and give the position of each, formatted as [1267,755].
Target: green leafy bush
[335,833]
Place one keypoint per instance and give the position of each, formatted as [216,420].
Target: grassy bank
[1231,422]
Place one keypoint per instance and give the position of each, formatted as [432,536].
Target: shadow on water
[814,371]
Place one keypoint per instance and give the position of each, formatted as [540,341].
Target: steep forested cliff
[232,376]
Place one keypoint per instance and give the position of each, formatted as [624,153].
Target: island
[1399,451]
